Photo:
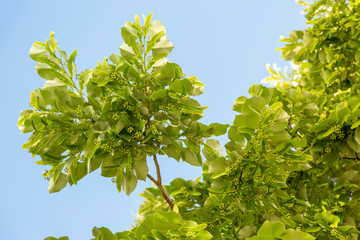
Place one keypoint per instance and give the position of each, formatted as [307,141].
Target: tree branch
[355,158]
[157,170]
[163,191]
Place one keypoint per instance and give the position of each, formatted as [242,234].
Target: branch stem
[157,170]
[163,191]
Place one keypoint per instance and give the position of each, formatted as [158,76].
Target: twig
[157,170]
[163,191]
[356,158]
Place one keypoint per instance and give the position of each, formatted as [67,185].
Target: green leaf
[158,235]
[60,238]
[60,183]
[215,147]
[191,158]
[45,71]
[161,93]
[25,123]
[170,151]
[288,221]
[48,73]
[155,60]
[114,58]
[272,230]
[141,168]
[78,170]
[102,126]
[119,179]
[182,86]
[256,238]
[126,51]
[311,109]
[239,103]
[110,166]
[247,119]
[137,21]
[299,143]
[151,43]
[203,235]
[93,164]
[219,129]
[84,78]
[38,50]
[90,147]
[129,182]
[197,86]
[167,74]
[103,234]
[292,234]
[312,229]
[155,27]
[129,33]
[138,49]
[147,24]
[51,85]
[279,137]
[166,220]
[71,63]
[357,135]
[351,176]
[280,122]
[349,229]
[217,165]
[326,133]
[120,125]
[356,124]
[247,231]
[162,48]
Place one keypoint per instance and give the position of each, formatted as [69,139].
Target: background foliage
[80,60]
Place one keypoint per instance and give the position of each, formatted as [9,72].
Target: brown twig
[355,158]
[163,191]
[157,170]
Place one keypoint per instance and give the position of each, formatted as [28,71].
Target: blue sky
[226,44]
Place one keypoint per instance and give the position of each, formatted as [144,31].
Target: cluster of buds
[185,98]
[109,147]
[138,116]
[148,58]
[190,235]
[168,107]
[183,110]
[52,133]
[116,76]
[116,117]
[126,105]
[130,129]
[46,175]
[327,149]
[74,152]
[298,104]
[159,138]
[245,152]
[97,141]
[138,135]
[125,151]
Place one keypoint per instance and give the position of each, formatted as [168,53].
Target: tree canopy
[290,169]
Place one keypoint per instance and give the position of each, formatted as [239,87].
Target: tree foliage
[290,169]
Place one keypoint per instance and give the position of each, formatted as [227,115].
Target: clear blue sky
[226,44]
